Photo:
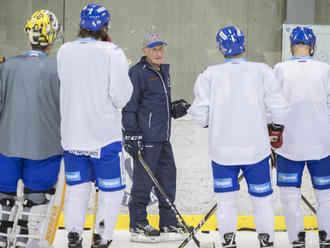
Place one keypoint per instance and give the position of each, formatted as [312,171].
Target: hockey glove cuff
[179,108]
[275,132]
[133,144]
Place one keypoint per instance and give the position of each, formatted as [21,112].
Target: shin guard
[37,216]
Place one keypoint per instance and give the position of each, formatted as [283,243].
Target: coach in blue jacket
[147,127]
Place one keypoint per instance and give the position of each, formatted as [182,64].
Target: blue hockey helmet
[231,41]
[93,17]
[303,35]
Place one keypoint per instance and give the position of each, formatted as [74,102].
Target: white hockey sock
[294,217]
[263,215]
[75,208]
[323,210]
[109,206]
[226,213]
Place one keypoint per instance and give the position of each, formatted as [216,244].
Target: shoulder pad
[203,70]
[2,59]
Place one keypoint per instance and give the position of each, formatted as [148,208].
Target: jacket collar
[145,64]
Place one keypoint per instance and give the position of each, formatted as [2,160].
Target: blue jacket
[149,110]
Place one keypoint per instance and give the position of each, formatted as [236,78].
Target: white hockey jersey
[306,86]
[94,85]
[231,99]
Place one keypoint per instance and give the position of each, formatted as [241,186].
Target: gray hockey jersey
[29,107]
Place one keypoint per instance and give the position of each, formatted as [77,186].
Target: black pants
[159,157]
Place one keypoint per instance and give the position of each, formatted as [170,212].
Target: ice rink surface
[194,194]
[243,239]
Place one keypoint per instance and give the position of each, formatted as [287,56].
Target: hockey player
[231,100]
[30,147]
[147,127]
[306,86]
[94,85]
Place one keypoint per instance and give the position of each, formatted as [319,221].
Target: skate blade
[144,239]
[173,236]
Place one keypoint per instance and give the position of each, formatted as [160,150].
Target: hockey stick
[308,204]
[202,222]
[95,213]
[172,205]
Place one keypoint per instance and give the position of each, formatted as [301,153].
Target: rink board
[243,222]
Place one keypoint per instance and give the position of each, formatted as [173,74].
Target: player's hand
[179,108]
[275,132]
[133,144]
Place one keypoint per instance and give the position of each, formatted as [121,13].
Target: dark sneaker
[97,241]
[300,242]
[74,240]
[174,232]
[144,233]
[324,243]
[229,240]
[264,240]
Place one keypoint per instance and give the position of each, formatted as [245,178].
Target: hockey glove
[179,108]
[133,144]
[275,132]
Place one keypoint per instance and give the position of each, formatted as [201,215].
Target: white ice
[244,240]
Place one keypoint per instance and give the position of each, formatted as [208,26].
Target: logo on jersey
[260,188]
[153,79]
[222,183]
[321,181]
[93,153]
[72,176]
[109,183]
[287,177]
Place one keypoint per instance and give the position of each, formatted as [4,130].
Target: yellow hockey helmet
[42,28]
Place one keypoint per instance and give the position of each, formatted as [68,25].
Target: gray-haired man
[147,127]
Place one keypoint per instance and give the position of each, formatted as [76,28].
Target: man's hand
[179,108]
[133,144]
[275,132]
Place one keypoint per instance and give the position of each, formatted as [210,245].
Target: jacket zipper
[150,115]
[168,108]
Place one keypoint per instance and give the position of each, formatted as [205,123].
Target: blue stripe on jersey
[321,181]
[223,182]
[72,176]
[287,177]
[260,188]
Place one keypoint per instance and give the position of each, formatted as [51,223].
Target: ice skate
[264,240]
[324,243]
[174,232]
[144,233]
[300,242]
[98,242]
[230,240]
[74,241]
